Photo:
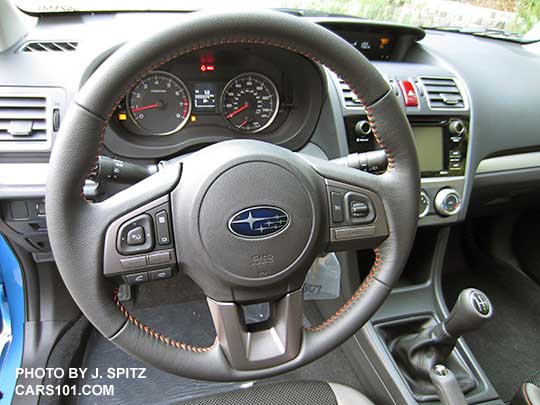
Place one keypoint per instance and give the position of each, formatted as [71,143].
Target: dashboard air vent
[23,118]
[349,98]
[443,93]
[49,46]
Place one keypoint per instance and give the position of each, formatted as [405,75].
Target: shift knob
[471,310]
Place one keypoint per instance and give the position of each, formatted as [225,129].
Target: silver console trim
[510,162]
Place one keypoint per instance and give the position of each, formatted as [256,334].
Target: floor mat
[508,348]
[189,322]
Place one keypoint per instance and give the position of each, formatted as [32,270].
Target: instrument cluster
[162,104]
[220,93]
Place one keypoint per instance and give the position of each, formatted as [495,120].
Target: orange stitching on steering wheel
[376,265]
[156,335]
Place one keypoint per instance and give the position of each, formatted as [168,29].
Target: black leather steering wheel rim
[77,227]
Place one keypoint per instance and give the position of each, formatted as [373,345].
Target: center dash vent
[443,93]
[48,46]
[349,98]
[23,118]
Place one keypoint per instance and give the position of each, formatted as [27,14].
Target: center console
[437,109]
[406,328]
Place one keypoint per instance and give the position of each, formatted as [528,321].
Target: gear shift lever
[417,353]
[471,310]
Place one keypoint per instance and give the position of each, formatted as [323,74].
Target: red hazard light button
[409,93]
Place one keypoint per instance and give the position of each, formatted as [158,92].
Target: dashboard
[470,102]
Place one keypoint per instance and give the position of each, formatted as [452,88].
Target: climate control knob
[424,204]
[447,202]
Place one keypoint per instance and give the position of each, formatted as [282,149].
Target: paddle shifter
[419,353]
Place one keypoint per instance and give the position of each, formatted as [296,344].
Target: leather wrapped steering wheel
[208,188]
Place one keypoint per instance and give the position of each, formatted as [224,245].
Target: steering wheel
[214,197]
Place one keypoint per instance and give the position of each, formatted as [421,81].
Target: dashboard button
[337,207]
[409,93]
[162,228]
[136,236]
[455,165]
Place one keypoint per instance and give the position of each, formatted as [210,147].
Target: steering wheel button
[160,274]
[337,207]
[162,228]
[136,278]
[359,209]
[136,236]
[133,262]
[159,258]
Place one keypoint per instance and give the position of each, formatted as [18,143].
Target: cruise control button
[359,209]
[337,206]
[136,236]
[159,258]
[136,278]
[161,274]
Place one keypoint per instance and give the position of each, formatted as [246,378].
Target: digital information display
[429,146]
[204,96]
[373,45]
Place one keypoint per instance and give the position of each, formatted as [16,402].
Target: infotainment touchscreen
[429,146]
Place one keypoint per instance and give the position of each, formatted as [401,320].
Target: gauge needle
[238,110]
[146,107]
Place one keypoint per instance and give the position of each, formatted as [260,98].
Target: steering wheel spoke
[255,345]
[356,213]
[139,242]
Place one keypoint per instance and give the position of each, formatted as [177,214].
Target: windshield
[508,19]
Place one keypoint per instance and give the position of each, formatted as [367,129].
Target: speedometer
[159,104]
[250,102]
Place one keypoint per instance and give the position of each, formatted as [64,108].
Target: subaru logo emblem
[259,222]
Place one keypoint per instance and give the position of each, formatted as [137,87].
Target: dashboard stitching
[365,284]
[156,335]
[376,265]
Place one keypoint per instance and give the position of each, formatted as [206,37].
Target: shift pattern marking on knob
[480,303]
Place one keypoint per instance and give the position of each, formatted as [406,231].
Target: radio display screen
[429,146]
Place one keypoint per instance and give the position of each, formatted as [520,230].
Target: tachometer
[250,102]
[159,104]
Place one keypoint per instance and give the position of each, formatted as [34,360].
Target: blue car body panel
[12,307]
